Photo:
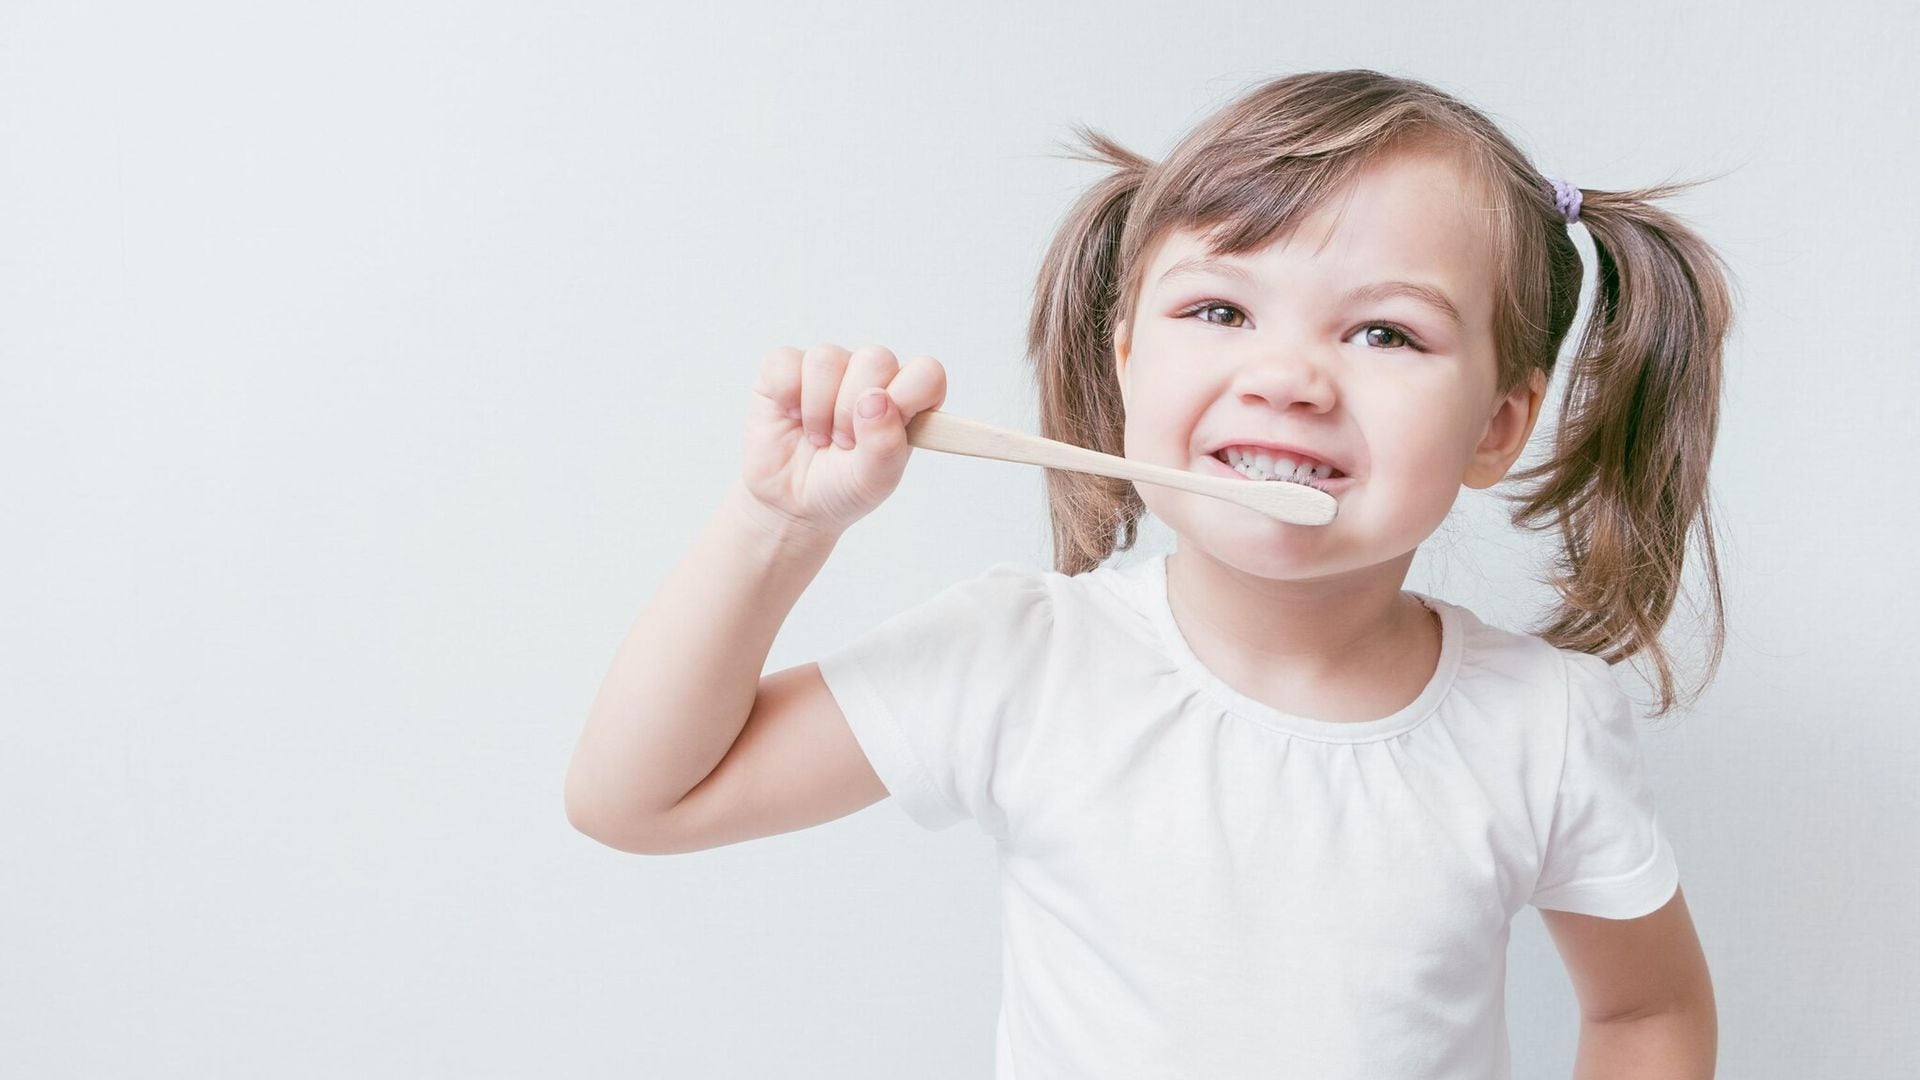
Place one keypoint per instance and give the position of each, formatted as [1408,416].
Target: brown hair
[1626,482]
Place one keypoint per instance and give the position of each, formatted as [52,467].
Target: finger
[870,366]
[921,384]
[779,381]
[820,371]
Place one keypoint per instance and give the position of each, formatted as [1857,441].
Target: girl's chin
[1264,561]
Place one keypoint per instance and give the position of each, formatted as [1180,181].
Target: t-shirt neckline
[1415,711]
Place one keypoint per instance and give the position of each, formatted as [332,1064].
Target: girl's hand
[810,459]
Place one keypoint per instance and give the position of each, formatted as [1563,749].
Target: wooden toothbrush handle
[935,430]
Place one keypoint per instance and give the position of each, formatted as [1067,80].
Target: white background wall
[364,366]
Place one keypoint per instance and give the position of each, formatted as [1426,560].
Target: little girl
[1260,811]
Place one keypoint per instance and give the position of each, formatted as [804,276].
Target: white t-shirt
[1196,884]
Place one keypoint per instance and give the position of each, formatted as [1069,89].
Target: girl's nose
[1283,380]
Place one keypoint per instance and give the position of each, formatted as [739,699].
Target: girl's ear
[1121,348]
[1507,432]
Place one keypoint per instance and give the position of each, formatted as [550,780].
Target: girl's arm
[685,678]
[685,682]
[1646,998]
[1663,1046]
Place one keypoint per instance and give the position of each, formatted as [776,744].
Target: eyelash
[1412,341]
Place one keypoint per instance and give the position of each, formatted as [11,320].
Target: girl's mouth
[1332,485]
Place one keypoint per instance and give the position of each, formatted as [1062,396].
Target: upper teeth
[1265,466]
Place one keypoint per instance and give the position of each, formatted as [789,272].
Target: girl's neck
[1350,645]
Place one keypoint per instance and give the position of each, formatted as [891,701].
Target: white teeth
[1268,467]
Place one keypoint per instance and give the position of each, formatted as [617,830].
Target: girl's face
[1284,345]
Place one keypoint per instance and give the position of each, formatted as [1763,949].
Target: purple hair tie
[1566,198]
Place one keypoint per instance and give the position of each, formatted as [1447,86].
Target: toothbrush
[932,429]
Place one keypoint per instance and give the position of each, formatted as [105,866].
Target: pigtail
[1626,484]
[1070,344]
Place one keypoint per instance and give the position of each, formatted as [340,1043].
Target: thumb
[880,439]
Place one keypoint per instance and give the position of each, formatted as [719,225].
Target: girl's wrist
[767,523]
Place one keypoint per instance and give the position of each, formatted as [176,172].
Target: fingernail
[842,441]
[872,403]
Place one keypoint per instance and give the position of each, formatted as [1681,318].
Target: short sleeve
[939,695]
[1605,853]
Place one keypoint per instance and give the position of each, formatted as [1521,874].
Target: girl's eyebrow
[1430,295]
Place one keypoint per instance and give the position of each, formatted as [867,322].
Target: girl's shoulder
[1521,653]
[1016,578]
[1117,597]
[1525,668]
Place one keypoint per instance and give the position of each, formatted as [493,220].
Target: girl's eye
[1209,305]
[1397,331]
[1205,306]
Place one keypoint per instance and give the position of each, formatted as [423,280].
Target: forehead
[1414,215]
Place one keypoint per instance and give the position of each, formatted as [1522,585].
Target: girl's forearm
[684,679]
[1681,1045]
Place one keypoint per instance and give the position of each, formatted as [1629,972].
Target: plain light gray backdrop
[367,365]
